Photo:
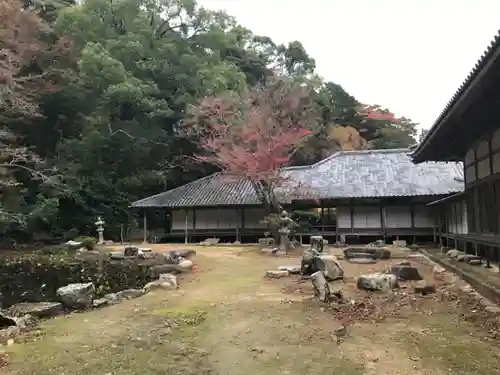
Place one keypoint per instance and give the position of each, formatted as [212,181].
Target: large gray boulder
[377,282]
[77,296]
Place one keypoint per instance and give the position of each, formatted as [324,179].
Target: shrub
[87,242]
[55,249]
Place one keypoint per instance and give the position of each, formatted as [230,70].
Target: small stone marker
[423,287]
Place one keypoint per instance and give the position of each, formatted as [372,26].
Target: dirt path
[228,320]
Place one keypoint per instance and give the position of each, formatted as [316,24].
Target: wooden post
[337,238]
[144,227]
[322,217]
[186,226]
[238,224]
[382,220]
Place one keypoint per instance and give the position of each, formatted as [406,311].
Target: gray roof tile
[376,173]
[346,174]
[213,190]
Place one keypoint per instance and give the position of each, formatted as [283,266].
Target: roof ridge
[350,152]
[174,189]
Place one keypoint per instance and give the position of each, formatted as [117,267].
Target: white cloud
[410,56]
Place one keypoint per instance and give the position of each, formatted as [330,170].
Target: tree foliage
[97,95]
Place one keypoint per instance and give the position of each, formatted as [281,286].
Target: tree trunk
[265,191]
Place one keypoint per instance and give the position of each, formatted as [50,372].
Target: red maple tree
[27,57]
[254,137]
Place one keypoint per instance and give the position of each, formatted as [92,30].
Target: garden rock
[100,302]
[210,241]
[276,274]
[452,253]
[377,282]
[117,255]
[292,270]
[185,265]
[131,251]
[330,266]
[399,243]
[157,270]
[405,272]
[467,257]
[423,287]
[169,278]
[362,260]
[6,321]
[186,253]
[321,287]
[475,262]
[166,282]
[368,252]
[129,293]
[36,309]
[77,296]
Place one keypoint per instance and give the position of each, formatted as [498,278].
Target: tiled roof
[375,173]
[213,190]
[346,174]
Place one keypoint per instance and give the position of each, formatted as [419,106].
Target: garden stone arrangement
[323,268]
[461,256]
[132,273]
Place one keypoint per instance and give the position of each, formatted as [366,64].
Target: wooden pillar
[238,224]
[144,227]
[186,214]
[322,217]
[337,238]
[382,219]
[412,215]
[351,208]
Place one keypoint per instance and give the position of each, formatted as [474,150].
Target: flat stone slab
[36,309]
[276,274]
[475,262]
[362,260]
[292,270]
[374,252]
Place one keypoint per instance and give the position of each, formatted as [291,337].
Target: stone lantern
[100,230]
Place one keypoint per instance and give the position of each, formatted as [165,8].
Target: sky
[409,56]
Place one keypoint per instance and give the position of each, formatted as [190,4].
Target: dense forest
[92,98]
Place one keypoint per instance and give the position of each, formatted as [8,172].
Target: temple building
[358,196]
